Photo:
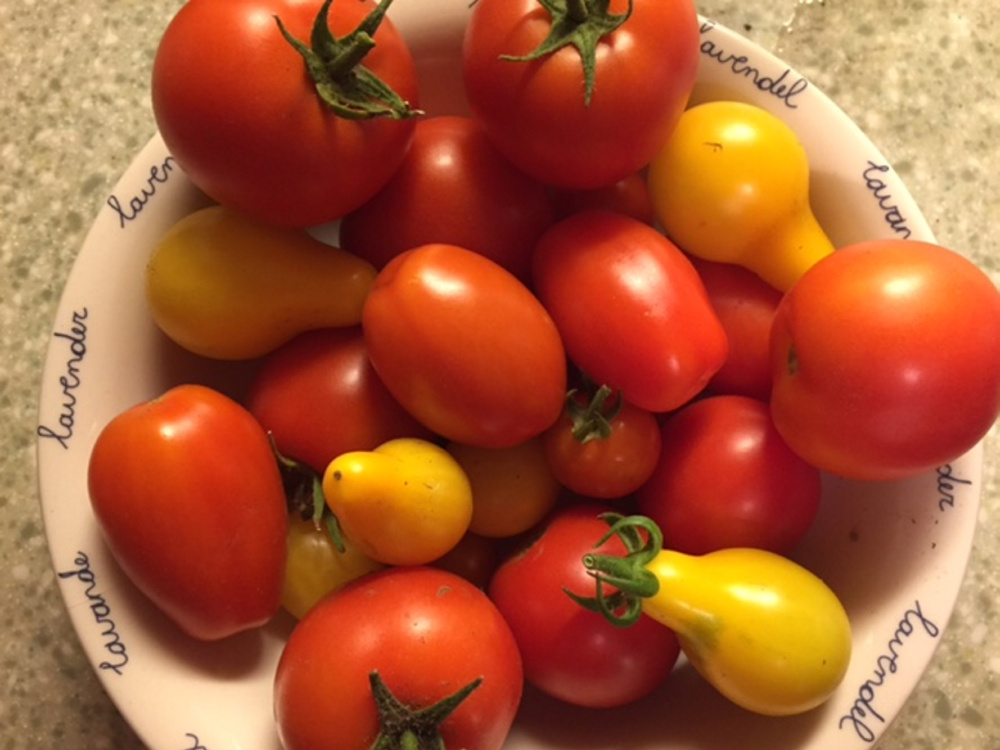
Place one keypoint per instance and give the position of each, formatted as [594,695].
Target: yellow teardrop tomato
[225,287]
[408,502]
[731,185]
[512,488]
[315,566]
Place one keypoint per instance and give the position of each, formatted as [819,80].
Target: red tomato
[629,196]
[319,397]
[188,483]
[745,305]
[727,479]
[465,347]
[453,187]
[428,633]
[603,449]
[886,359]
[631,309]
[536,112]
[239,113]
[569,652]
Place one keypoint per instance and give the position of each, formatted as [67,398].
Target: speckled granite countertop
[919,77]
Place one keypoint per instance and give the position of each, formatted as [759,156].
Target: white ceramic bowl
[894,552]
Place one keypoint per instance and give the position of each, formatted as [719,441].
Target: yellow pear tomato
[408,502]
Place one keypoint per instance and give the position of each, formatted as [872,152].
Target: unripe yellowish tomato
[315,566]
[764,631]
[408,502]
[731,185]
[226,287]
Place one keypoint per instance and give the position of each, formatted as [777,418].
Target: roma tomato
[745,305]
[245,121]
[186,483]
[602,447]
[465,347]
[886,359]
[453,187]
[428,634]
[319,397]
[571,653]
[632,312]
[629,196]
[726,478]
[552,118]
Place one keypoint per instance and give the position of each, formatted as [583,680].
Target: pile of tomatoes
[509,340]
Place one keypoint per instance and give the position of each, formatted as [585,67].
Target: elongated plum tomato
[187,483]
[632,312]
[465,347]
[241,115]
[886,359]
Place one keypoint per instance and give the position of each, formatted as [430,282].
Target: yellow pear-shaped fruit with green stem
[766,632]
[731,185]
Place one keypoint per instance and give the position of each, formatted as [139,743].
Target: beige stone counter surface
[919,76]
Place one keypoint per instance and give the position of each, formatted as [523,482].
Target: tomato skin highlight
[188,482]
[535,112]
[427,632]
[570,653]
[238,111]
[725,478]
[465,347]
[632,312]
[453,187]
[886,360]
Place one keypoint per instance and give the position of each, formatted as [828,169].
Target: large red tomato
[428,634]
[188,483]
[537,112]
[319,397]
[242,117]
[453,187]
[569,652]
[725,478]
[630,307]
[886,359]
[465,347]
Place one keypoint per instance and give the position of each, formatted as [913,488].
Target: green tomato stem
[403,727]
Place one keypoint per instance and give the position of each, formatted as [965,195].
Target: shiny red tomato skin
[188,483]
[237,110]
[726,479]
[319,397]
[453,187]
[535,112]
[571,653]
[427,632]
[465,347]
[886,360]
[745,305]
[630,307]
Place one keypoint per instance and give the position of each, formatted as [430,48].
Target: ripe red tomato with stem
[569,652]
[632,312]
[266,133]
[185,483]
[726,478]
[320,397]
[429,635]
[465,347]
[602,447]
[886,359]
[580,93]
[452,187]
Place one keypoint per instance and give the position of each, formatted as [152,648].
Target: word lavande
[101,610]
[785,87]
[70,380]
[890,211]
[863,710]
[159,174]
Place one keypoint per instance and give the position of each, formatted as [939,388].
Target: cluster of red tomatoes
[525,318]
